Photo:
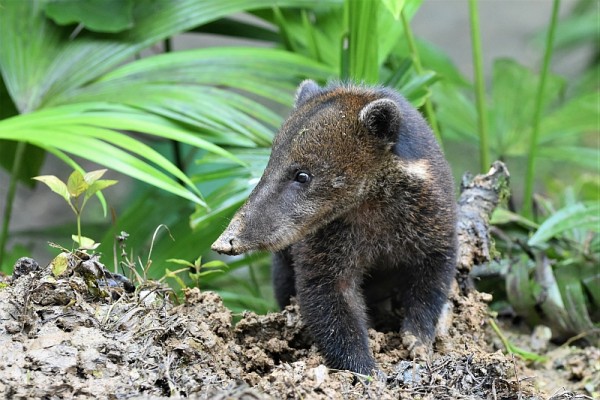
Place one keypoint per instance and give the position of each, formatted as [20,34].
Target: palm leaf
[90,130]
[39,61]
[576,216]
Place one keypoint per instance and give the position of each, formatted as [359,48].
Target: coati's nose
[225,244]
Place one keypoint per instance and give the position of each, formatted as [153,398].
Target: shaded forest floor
[67,335]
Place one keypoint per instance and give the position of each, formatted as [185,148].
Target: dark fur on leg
[284,278]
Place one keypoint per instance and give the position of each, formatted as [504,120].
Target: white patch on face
[419,169]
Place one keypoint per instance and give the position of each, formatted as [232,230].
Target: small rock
[540,338]
[321,374]
[408,373]
[24,266]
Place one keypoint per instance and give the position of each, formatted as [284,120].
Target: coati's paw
[416,348]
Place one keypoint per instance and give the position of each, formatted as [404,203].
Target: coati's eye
[302,177]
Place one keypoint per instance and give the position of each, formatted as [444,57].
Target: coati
[357,204]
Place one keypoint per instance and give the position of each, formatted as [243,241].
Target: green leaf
[437,60]
[577,29]
[60,264]
[362,49]
[584,157]
[550,299]
[98,186]
[577,216]
[576,305]
[178,261]
[76,185]
[204,274]
[246,302]
[55,184]
[67,160]
[577,116]
[86,243]
[93,176]
[520,291]
[591,281]
[503,216]
[242,29]
[214,264]
[95,15]
[71,134]
[39,61]
[513,97]
[457,114]
[394,7]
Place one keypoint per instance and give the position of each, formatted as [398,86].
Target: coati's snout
[271,219]
[229,242]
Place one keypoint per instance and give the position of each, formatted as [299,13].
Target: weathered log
[479,197]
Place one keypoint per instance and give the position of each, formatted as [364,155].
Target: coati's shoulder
[415,139]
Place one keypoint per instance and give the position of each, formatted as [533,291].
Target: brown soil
[68,336]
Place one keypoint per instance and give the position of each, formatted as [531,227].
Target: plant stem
[484,147]
[527,209]
[10,196]
[79,229]
[430,115]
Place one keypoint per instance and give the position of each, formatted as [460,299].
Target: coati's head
[323,160]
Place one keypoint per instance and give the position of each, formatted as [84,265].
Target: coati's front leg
[333,309]
[284,278]
[423,301]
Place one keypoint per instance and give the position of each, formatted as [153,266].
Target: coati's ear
[382,118]
[307,89]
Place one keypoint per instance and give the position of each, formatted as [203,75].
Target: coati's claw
[417,350]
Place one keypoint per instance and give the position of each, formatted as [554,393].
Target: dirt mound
[71,335]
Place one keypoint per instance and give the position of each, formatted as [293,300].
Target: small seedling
[199,269]
[512,349]
[76,192]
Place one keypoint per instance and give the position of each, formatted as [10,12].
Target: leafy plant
[76,192]
[195,270]
[552,276]
[532,121]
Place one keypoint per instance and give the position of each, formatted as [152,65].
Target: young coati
[357,202]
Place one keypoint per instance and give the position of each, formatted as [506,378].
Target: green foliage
[553,276]
[565,121]
[195,270]
[480,101]
[95,15]
[78,184]
[362,49]
[60,264]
